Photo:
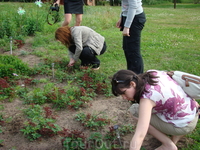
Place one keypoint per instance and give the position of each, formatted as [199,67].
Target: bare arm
[145,109]
[118,23]
[58,2]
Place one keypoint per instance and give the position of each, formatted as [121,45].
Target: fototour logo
[97,144]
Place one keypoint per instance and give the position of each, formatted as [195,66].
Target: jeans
[88,57]
[131,44]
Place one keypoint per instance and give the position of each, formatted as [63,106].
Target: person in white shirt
[163,109]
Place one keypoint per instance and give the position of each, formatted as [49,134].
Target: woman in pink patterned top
[164,108]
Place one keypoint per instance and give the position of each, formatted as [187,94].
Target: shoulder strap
[170,73]
[189,78]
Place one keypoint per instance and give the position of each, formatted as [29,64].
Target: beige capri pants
[165,127]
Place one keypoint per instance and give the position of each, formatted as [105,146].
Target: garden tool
[117,133]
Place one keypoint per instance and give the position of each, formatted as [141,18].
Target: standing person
[131,23]
[164,108]
[83,43]
[72,7]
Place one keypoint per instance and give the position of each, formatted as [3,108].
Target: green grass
[170,39]
[171,5]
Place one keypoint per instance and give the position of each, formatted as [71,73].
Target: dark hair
[63,34]
[122,79]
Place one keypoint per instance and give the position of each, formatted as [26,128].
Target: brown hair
[63,34]
[122,79]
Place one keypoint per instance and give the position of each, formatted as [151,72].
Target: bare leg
[176,138]
[78,19]
[167,143]
[68,18]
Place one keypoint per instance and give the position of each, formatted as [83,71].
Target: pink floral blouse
[173,105]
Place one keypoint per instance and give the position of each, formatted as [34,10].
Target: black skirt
[73,6]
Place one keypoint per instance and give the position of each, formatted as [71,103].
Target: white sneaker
[96,68]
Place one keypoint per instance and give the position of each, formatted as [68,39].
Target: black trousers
[88,56]
[131,44]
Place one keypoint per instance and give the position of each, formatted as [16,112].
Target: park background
[170,41]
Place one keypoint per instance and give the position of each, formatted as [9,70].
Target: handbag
[190,83]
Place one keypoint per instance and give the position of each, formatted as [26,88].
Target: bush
[10,64]
[32,25]
[6,70]
[7,27]
[15,25]
[6,91]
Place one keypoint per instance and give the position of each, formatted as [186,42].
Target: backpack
[190,83]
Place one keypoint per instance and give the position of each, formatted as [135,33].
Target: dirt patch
[115,108]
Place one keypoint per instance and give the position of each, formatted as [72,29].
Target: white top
[173,105]
[130,8]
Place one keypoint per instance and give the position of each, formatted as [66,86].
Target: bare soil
[115,108]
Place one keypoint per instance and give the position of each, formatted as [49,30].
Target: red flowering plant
[71,98]
[41,123]
[92,122]
[94,83]
[6,90]
[73,139]
[114,133]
